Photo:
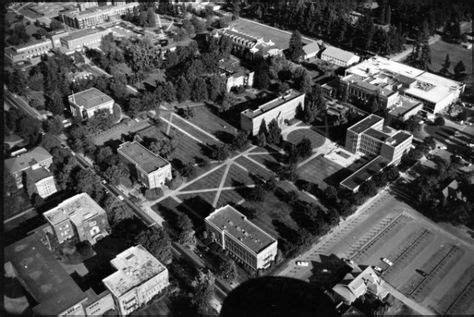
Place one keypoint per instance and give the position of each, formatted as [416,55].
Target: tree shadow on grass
[224,136]
[328,271]
[285,232]
[198,205]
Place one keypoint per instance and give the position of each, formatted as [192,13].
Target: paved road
[19,103]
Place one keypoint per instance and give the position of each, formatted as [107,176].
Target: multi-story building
[152,170]
[41,181]
[235,75]
[388,80]
[246,243]
[78,216]
[249,46]
[405,108]
[52,290]
[139,278]
[282,109]
[85,103]
[384,145]
[34,159]
[98,15]
[339,57]
[90,38]
[33,48]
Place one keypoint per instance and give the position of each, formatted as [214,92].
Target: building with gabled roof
[139,278]
[245,241]
[79,216]
[152,170]
[339,57]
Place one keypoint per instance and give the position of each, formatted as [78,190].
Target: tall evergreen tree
[262,76]
[388,15]
[183,91]
[199,91]
[295,49]
[446,64]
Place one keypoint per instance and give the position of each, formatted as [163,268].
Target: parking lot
[429,265]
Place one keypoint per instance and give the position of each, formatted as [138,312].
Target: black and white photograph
[238,158]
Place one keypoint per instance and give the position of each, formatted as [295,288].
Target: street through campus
[386,227]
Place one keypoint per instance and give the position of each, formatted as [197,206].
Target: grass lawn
[456,53]
[320,171]
[177,120]
[253,167]
[296,136]
[211,180]
[187,149]
[279,37]
[210,122]
[236,175]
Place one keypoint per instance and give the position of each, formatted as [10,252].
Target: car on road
[387,261]
[378,269]
[120,197]
[302,263]
[104,181]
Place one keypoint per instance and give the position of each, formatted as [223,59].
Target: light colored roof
[339,54]
[404,106]
[291,94]
[86,32]
[312,47]
[26,160]
[141,156]
[134,267]
[89,98]
[77,209]
[236,225]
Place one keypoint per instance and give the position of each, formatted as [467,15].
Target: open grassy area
[296,136]
[320,171]
[456,53]
[207,120]
[202,136]
[279,37]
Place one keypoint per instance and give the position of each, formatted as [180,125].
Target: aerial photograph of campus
[238,158]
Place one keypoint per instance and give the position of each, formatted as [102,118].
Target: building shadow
[328,271]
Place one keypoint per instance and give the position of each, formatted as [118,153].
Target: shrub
[153,193]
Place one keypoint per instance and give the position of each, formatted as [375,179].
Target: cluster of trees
[17,122]
[270,135]
[110,165]
[157,242]
[302,149]
[142,16]
[17,34]
[203,286]
[186,233]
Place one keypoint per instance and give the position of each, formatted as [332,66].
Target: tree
[219,152]
[240,141]
[116,210]
[368,188]
[439,121]
[183,91]
[430,141]
[188,170]
[203,291]
[446,64]
[274,133]
[151,17]
[262,76]
[17,81]
[157,242]
[184,223]
[228,270]
[199,91]
[304,147]
[214,87]
[55,25]
[459,69]
[163,147]
[54,125]
[235,9]
[261,140]
[330,194]
[78,58]
[295,49]
[34,103]
[257,193]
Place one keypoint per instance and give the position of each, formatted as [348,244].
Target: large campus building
[139,278]
[235,75]
[339,57]
[35,159]
[52,292]
[246,242]
[152,170]
[85,103]
[388,80]
[90,38]
[282,109]
[97,15]
[369,138]
[249,46]
[33,48]
[79,216]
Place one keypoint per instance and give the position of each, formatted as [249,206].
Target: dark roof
[38,174]
[239,227]
[398,138]
[365,123]
[379,135]
[43,276]
[142,157]
[116,131]
[365,172]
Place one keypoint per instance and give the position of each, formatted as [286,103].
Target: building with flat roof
[388,80]
[117,131]
[152,170]
[85,103]
[246,242]
[139,278]
[282,109]
[369,138]
[90,38]
[34,159]
[78,216]
[249,46]
[94,16]
[405,108]
[235,75]
[339,57]
[40,181]
[24,52]
[47,9]
[54,291]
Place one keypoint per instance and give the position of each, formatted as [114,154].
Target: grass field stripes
[409,249]
[459,298]
[181,123]
[253,167]
[376,239]
[237,175]
[211,180]
[436,267]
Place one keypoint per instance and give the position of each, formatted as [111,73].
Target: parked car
[387,261]
[120,197]
[302,263]
[378,269]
